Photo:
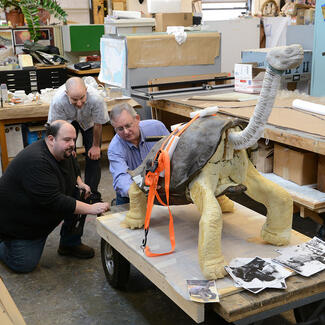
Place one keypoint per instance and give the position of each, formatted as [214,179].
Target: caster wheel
[116,267]
[314,311]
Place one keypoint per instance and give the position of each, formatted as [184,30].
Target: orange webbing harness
[162,161]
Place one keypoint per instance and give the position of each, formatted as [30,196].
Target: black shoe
[79,251]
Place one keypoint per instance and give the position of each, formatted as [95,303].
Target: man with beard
[37,192]
[129,147]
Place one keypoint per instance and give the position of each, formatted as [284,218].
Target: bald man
[37,192]
[86,110]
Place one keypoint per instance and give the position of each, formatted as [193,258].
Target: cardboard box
[296,166]
[310,16]
[248,78]
[10,314]
[172,19]
[300,18]
[321,173]
[264,158]
[107,133]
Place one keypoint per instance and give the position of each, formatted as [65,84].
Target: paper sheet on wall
[113,62]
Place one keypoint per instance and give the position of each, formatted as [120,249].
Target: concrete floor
[66,291]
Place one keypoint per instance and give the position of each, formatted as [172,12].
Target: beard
[68,152]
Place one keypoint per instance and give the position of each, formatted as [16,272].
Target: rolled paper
[308,106]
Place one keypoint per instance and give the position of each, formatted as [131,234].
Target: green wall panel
[86,38]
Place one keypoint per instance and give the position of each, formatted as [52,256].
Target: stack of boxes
[171,13]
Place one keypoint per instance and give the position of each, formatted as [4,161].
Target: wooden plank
[302,141]
[98,11]
[8,309]
[240,239]
[167,80]
[246,304]
[303,195]
[307,213]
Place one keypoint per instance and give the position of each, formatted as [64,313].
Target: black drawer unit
[19,80]
[51,78]
[33,80]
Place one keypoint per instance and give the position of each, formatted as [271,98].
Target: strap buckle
[144,240]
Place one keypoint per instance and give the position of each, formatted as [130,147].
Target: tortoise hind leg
[225,203]
[138,205]
[279,205]
[211,260]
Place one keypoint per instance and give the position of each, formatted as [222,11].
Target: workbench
[285,125]
[240,238]
[12,114]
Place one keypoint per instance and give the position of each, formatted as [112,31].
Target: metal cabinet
[19,80]
[82,38]
[318,65]
[34,79]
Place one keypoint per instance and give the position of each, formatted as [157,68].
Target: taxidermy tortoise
[210,160]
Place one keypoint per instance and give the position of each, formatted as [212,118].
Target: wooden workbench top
[17,111]
[282,115]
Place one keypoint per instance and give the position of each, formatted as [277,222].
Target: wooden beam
[98,11]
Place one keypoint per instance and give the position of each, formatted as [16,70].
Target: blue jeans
[121,199]
[20,255]
[23,255]
[92,168]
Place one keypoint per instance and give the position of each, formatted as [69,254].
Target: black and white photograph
[202,291]
[256,274]
[305,259]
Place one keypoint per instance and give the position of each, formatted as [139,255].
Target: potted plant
[30,10]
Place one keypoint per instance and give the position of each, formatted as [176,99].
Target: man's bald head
[54,127]
[76,91]
[74,83]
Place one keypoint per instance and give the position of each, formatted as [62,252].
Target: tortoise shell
[196,146]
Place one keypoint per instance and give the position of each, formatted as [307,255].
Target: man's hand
[86,188]
[94,153]
[99,208]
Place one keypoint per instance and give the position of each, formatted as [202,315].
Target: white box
[128,26]
[169,6]
[14,138]
[248,79]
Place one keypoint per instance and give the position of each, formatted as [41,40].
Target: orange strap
[152,179]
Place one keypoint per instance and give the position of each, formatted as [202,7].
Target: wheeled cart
[121,246]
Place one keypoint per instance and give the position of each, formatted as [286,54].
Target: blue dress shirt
[124,156]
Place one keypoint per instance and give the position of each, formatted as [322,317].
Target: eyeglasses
[120,129]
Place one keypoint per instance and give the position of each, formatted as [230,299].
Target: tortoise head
[285,57]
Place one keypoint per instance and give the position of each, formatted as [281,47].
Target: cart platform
[240,238]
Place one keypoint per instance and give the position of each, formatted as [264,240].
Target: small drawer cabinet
[34,79]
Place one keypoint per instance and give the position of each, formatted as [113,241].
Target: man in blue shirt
[128,148]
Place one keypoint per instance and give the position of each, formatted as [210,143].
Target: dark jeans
[121,199]
[92,168]
[22,256]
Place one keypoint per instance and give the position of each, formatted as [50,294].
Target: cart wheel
[116,267]
[313,311]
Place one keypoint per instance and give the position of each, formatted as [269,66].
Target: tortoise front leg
[211,260]
[138,205]
[279,205]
